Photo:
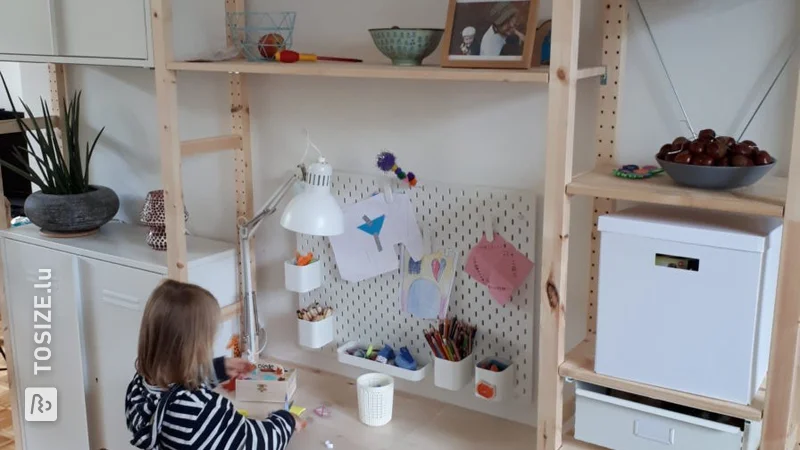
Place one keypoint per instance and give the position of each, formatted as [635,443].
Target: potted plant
[67,203]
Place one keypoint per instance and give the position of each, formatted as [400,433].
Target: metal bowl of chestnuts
[714,162]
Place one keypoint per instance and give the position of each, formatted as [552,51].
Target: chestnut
[702,160]
[762,158]
[741,161]
[683,157]
[726,141]
[664,151]
[707,135]
[696,147]
[722,162]
[715,150]
[750,144]
[742,148]
[679,143]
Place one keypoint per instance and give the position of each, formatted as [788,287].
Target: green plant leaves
[61,168]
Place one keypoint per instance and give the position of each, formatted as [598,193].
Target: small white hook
[387,193]
[488,229]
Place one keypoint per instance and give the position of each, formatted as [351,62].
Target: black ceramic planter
[72,213]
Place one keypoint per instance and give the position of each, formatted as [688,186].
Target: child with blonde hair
[170,403]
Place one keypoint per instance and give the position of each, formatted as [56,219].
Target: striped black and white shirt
[179,419]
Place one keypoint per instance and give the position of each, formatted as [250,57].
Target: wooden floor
[6,427]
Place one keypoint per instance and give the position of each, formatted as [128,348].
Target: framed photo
[490,34]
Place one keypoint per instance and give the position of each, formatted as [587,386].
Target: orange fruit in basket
[270,44]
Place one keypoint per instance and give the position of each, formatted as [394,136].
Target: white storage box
[315,334]
[621,424]
[453,375]
[302,279]
[686,299]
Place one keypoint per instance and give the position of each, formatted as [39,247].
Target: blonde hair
[177,335]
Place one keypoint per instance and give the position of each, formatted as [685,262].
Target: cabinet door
[102,28]
[114,298]
[32,275]
[25,27]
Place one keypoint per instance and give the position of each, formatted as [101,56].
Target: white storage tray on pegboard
[453,375]
[495,386]
[315,334]
[302,279]
[397,372]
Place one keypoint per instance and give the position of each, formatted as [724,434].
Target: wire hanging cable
[771,86]
[666,71]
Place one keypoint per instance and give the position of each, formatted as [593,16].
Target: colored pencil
[452,339]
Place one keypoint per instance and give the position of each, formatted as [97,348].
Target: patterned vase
[154,215]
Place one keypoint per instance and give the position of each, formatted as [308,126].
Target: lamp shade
[315,211]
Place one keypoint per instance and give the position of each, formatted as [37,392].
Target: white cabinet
[104,32]
[37,273]
[102,28]
[25,27]
[99,287]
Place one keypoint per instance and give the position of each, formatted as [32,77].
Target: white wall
[10,71]
[478,133]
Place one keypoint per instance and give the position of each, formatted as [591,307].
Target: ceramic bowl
[712,177]
[406,46]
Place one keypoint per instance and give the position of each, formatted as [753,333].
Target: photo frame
[490,34]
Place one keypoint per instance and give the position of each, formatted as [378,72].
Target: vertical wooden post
[58,88]
[778,419]
[167,101]
[240,126]
[615,31]
[555,238]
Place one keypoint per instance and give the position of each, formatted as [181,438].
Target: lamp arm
[246,231]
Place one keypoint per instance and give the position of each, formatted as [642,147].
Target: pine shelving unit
[777,403]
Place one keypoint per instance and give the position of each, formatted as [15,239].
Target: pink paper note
[499,266]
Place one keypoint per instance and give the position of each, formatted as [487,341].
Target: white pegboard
[369,312]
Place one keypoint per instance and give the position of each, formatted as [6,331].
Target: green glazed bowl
[406,46]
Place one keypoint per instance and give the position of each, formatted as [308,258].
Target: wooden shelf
[765,198]
[11,126]
[365,70]
[579,364]
[569,442]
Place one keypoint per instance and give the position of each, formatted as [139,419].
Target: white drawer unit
[686,299]
[619,423]
[104,32]
[99,286]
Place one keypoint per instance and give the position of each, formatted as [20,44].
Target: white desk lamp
[314,211]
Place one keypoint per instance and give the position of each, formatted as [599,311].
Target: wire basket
[259,35]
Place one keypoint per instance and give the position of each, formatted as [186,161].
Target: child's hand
[238,366]
[299,424]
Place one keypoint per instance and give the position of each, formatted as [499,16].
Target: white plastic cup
[375,399]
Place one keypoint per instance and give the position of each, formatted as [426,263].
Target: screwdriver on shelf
[289,56]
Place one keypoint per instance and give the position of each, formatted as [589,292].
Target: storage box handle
[654,431]
[677,262]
